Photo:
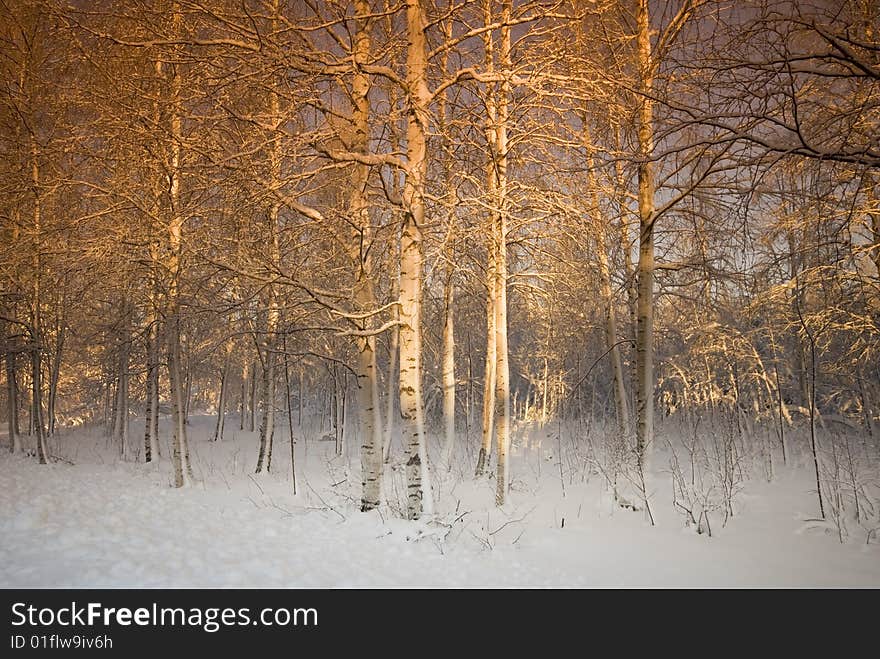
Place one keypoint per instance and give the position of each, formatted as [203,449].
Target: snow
[100,522]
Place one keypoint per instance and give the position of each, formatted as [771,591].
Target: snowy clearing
[104,523]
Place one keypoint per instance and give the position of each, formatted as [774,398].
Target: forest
[455,269]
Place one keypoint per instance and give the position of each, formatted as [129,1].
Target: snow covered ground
[100,522]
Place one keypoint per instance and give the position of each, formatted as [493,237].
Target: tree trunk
[36,328]
[468,392]
[645,307]
[491,371]
[333,406]
[448,349]
[12,397]
[55,374]
[151,422]
[114,406]
[867,408]
[813,440]
[343,413]
[180,450]
[107,418]
[811,338]
[370,419]
[252,413]
[300,394]
[391,402]
[151,335]
[502,382]
[267,423]
[419,493]
[188,387]
[289,415]
[448,370]
[491,367]
[781,408]
[37,403]
[243,407]
[224,387]
[371,424]
[122,405]
[498,180]
[273,316]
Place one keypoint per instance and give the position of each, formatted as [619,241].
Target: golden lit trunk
[645,306]
[448,369]
[419,494]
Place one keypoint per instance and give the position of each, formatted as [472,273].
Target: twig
[321,499]
[257,484]
[512,521]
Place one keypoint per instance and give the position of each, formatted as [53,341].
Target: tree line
[450,217]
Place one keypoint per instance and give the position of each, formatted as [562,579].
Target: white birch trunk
[151,337]
[224,388]
[448,370]
[152,383]
[267,421]
[12,401]
[502,383]
[419,493]
[151,412]
[122,391]
[447,374]
[180,449]
[300,396]
[502,378]
[252,395]
[289,416]
[273,315]
[36,327]
[491,369]
[645,304]
[545,393]
[179,452]
[393,355]
[645,307]
[55,362]
[244,395]
[367,380]
[371,424]
[631,283]
[393,392]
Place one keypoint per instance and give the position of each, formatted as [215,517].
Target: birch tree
[418,98]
